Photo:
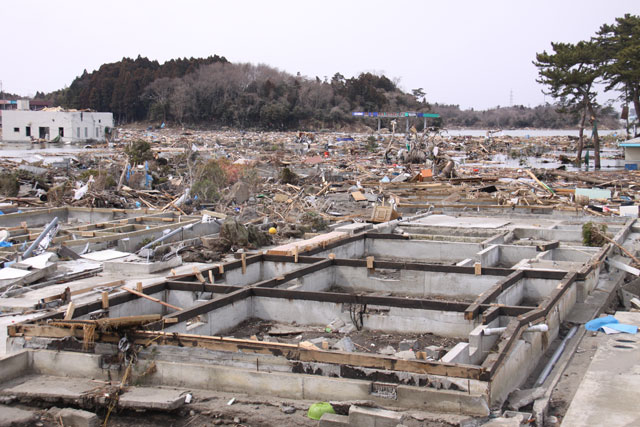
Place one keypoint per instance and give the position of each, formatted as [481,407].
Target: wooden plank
[358,196]
[370,261]
[105,300]
[540,183]
[141,295]
[71,308]
[477,269]
[115,283]
[294,352]
[492,293]
[547,246]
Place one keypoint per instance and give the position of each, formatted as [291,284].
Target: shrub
[139,151]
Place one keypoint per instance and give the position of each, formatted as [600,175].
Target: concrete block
[78,418]
[15,417]
[388,350]
[333,420]
[373,417]
[407,355]
[345,344]
[434,351]
[152,398]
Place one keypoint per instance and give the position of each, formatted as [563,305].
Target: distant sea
[533,132]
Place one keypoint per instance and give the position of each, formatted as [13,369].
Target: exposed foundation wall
[415,283]
[318,281]
[526,353]
[218,321]
[396,319]
[259,271]
[137,306]
[35,218]
[476,350]
[354,249]
[15,365]
[421,250]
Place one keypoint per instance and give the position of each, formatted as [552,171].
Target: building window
[27,131]
[78,132]
[61,132]
[16,129]
[97,132]
[86,132]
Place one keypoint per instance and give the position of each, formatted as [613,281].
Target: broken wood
[141,295]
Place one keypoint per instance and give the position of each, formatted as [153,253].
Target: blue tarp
[609,322]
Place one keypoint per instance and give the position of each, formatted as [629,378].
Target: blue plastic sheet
[5,244]
[627,329]
[610,322]
[595,324]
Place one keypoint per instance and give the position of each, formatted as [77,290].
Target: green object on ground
[317,409]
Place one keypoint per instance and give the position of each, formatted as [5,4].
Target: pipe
[166,236]
[42,235]
[556,355]
[497,331]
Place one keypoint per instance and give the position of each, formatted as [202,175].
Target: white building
[71,126]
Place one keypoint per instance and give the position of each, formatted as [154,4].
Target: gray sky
[472,53]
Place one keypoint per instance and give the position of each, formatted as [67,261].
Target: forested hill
[119,87]
[214,92]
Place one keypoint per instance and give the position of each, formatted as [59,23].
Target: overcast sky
[472,53]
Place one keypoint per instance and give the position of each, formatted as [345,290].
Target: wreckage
[441,294]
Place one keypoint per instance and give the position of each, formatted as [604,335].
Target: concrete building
[71,126]
[631,150]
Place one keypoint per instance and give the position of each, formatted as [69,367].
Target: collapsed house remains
[430,290]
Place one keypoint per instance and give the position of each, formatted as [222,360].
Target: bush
[592,234]
[139,151]
[9,185]
[287,176]
[211,178]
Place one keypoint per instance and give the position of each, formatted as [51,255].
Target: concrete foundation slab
[164,399]
[610,390]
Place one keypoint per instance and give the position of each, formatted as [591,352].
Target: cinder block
[78,418]
[333,420]
[373,417]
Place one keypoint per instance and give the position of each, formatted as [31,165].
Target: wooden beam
[547,246]
[71,308]
[492,293]
[105,300]
[141,295]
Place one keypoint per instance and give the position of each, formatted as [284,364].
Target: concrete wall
[397,319]
[77,126]
[348,250]
[15,365]
[422,250]
[632,153]
[318,281]
[525,355]
[138,306]
[424,284]
[218,321]
[259,271]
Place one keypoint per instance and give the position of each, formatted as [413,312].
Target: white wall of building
[72,126]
